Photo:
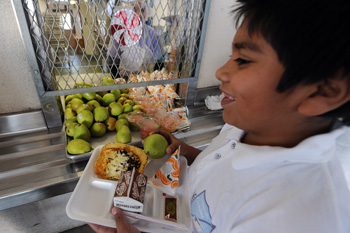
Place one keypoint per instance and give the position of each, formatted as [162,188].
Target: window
[66,21]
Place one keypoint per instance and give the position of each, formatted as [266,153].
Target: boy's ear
[326,96]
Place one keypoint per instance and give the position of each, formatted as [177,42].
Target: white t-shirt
[236,187]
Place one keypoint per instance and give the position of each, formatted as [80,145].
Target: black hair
[310,37]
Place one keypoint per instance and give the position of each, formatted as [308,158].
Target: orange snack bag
[166,178]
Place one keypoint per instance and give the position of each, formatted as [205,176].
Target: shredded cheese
[117,163]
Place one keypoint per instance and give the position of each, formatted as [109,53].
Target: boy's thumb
[170,149]
[120,221]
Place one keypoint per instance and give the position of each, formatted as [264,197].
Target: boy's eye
[241,61]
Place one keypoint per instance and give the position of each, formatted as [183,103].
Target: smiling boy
[274,166]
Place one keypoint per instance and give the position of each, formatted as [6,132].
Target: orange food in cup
[149,106]
[170,122]
[135,119]
[147,126]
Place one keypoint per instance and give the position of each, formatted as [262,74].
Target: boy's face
[249,80]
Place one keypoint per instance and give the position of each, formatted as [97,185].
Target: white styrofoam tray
[92,200]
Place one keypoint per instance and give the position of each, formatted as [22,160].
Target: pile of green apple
[93,114]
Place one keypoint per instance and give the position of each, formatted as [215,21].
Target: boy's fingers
[101,229]
[165,134]
[171,148]
[122,225]
[93,226]
[173,142]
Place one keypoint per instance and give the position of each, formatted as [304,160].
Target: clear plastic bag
[135,58]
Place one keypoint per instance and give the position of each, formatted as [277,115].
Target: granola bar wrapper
[130,192]
[166,178]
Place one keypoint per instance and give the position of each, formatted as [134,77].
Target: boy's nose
[222,73]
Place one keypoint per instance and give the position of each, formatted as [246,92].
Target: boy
[273,167]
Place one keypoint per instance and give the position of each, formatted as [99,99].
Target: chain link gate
[85,41]
[104,44]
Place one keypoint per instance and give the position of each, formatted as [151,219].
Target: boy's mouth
[227,99]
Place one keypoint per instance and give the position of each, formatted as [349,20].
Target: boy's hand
[189,152]
[173,142]
[122,225]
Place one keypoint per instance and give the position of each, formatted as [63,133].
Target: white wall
[17,89]
[218,40]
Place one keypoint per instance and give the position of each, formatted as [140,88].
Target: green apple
[85,117]
[128,101]
[116,109]
[108,99]
[89,96]
[121,100]
[127,108]
[116,93]
[100,114]
[98,129]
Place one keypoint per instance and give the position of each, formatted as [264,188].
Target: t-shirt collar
[314,149]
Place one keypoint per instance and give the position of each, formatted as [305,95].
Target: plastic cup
[170,122]
[135,119]
[149,106]
[160,114]
[137,97]
[147,126]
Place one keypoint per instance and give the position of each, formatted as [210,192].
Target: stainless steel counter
[33,165]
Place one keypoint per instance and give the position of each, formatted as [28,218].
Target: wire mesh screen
[113,41]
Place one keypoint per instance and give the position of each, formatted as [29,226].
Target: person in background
[124,60]
[274,166]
